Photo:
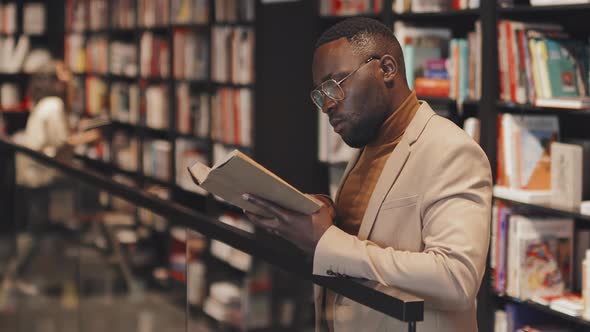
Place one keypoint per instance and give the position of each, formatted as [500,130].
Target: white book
[525,196]
[566,174]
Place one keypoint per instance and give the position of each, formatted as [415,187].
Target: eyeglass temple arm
[359,67]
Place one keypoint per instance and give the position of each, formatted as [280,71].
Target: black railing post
[7,190]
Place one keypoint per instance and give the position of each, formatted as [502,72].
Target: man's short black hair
[368,37]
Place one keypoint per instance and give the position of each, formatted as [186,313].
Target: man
[413,208]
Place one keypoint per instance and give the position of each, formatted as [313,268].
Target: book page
[240,174]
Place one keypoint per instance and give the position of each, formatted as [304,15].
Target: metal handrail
[276,251]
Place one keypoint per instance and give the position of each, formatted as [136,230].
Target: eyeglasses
[332,88]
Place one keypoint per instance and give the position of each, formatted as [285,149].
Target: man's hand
[302,230]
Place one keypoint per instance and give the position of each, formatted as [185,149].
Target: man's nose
[328,105]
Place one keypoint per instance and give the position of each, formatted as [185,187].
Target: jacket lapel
[391,170]
[393,167]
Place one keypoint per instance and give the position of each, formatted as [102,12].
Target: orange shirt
[356,191]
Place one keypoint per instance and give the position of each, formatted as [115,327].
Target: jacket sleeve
[455,214]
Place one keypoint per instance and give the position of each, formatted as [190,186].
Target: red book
[431,87]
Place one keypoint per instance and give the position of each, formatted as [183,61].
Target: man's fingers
[267,206]
[270,223]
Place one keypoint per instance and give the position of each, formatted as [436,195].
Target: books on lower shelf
[518,318]
[569,303]
[531,257]
[237,174]
[347,8]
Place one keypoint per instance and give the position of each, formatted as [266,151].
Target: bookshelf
[571,123]
[14,108]
[271,108]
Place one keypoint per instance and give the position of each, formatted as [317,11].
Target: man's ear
[389,67]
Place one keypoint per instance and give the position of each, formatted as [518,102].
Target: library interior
[294,165]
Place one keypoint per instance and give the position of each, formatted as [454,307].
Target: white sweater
[46,131]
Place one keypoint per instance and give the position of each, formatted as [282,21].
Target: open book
[237,174]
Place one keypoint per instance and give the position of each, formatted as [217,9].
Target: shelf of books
[23,38]
[542,150]
[177,80]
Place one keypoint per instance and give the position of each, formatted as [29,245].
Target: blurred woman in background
[47,129]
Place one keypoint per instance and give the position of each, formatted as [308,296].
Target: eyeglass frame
[324,94]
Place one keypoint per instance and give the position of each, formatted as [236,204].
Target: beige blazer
[426,231]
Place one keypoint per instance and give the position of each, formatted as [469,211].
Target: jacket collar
[392,167]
